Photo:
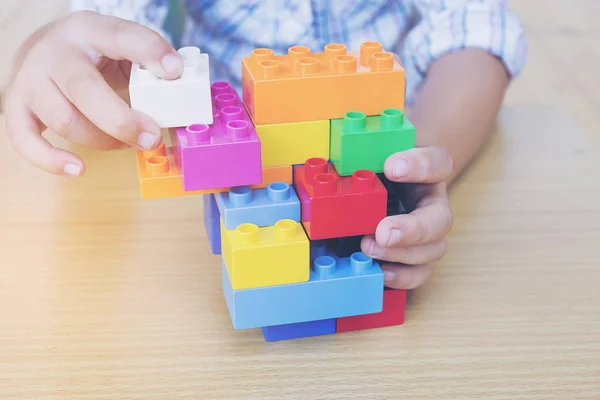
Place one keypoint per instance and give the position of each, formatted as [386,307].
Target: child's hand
[64,79]
[416,239]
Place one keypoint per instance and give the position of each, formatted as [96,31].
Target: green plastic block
[361,142]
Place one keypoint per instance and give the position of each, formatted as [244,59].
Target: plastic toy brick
[179,102]
[334,206]
[293,143]
[224,154]
[305,86]
[394,303]
[262,207]
[212,222]
[338,287]
[360,142]
[159,176]
[299,330]
[273,255]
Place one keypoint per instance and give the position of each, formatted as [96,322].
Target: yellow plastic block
[159,176]
[270,256]
[293,143]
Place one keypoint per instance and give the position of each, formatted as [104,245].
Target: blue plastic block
[211,222]
[299,330]
[318,248]
[338,287]
[261,207]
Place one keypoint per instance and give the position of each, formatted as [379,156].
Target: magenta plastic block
[224,154]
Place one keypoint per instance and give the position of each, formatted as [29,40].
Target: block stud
[313,167]
[325,184]
[191,58]
[157,152]
[318,248]
[240,196]
[268,69]
[324,266]
[157,165]
[285,230]
[307,66]
[262,54]
[363,180]
[220,87]
[278,192]
[344,64]
[197,134]
[355,121]
[297,52]
[367,49]
[247,234]
[225,100]
[391,118]
[238,129]
[231,113]
[335,49]
[382,61]
[360,263]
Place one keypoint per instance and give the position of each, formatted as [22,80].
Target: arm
[460,60]
[458,104]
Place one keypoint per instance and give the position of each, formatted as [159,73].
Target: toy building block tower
[291,260]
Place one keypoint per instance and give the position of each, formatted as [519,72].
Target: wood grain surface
[104,296]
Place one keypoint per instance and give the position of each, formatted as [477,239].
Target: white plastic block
[174,103]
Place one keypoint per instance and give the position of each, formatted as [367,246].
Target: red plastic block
[394,303]
[334,206]
[224,154]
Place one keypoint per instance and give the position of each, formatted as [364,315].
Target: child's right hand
[64,78]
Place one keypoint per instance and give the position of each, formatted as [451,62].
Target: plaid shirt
[419,31]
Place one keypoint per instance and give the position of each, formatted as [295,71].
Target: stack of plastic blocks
[289,246]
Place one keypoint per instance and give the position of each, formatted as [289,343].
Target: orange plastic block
[160,178]
[305,86]
[274,174]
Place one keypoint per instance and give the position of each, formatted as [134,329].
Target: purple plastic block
[224,154]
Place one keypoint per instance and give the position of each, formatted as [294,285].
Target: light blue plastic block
[261,207]
[338,287]
[299,330]
[211,222]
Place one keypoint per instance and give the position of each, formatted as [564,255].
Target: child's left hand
[412,241]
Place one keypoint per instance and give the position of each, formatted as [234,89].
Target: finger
[430,164]
[84,86]
[120,39]
[411,255]
[426,224]
[60,116]
[25,134]
[397,276]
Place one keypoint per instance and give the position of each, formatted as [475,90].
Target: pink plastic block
[224,154]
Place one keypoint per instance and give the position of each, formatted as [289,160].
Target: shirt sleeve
[451,25]
[150,13]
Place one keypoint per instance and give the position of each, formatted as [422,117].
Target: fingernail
[375,250]
[171,63]
[146,141]
[388,275]
[400,168]
[395,236]
[72,169]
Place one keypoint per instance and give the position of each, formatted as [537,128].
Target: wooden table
[105,296]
